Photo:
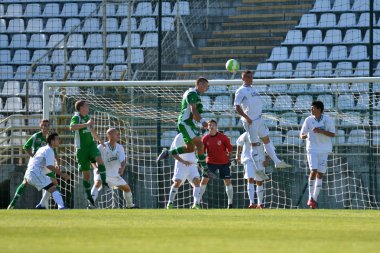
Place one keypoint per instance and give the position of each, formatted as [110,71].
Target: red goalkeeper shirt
[217,148]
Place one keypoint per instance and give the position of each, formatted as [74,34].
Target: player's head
[317,108]
[45,126]
[53,140]
[113,135]
[202,84]
[247,77]
[82,107]
[212,125]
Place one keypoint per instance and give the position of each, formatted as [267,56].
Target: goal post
[146,114]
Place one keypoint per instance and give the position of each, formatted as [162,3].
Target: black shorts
[224,170]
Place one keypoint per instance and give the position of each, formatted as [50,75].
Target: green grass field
[189,231]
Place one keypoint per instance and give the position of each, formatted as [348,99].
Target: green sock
[87,188]
[176,151]
[102,172]
[202,160]
[19,191]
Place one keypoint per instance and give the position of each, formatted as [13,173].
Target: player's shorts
[37,179]
[111,181]
[87,155]
[250,170]
[189,131]
[183,172]
[224,170]
[318,161]
[256,130]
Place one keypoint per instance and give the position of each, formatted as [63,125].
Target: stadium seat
[270,119]
[14,10]
[260,88]
[11,88]
[87,9]
[292,137]
[362,69]
[37,41]
[167,24]
[94,40]
[5,56]
[376,52]
[353,36]
[16,25]
[40,57]
[33,90]
[21,56]
[279,54]
[359,87]
[35,25]
[288,119]
[222,103]
[2,123]
[51,10]
[341,6]
[150,40]
[327,20]
[57,57]
[69,10]
[357,137]
[13,104]
[376,5]
[34,121]
[91,25]
[3,26]
[6,71]
[4,41]
[206,102]
[147,25]
[298,88]
[283,103]
[303,69]
[376,137]
[364,20]
[318,53]
[376,36]
[18,138]
[72,24]
[60,71]
[313,37]
[319,88]
[333,36]
[293,37]
[283,69]
[97,73]
[264,70]
[343,69]
[278,88]
[226,122]
[22,73]
[183,8]
[363,102]
[72,91]
[299,53]
[339,87]
[321,6]
[345,102]
[267,102]
[143,9]
[53,25]
[358,52]
[56,104]
[78,57]
[18,41]
[2,11]
[124,25]
[338,53]
[275,137]
[137,56]
[112,25]
[96,56]
[339,137]
[117,72]
[116,56]
[75,41]
[167,138]
[16,120]
[32,10]
[347,20]
[327,100]
[213,89]
[114,40]
[376,118]
[110,10]
[81,73]
[303,102]
[122,10]
[166,9]
[35,104]
[360,5]
[55,41]
[233,135]
[42,72]
[323,69]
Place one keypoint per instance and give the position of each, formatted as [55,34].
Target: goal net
[145,113]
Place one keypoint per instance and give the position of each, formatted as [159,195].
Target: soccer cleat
[252,206]
[164,154]
[63,208]
[91,204]
[169,206]
[132,207]
[282,165]
[196,206]
[91,201]
[39,207]
[260,207]
[10,207]
[262,174]
[230,206]
[312,203]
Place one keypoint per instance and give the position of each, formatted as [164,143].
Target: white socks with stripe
[251,193]
[230,193]
[317,188]
[58,199]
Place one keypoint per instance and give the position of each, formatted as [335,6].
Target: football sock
[19,191]
[230,193]
[202,191]
[58,199]
[102,172]
[317,188]
[176,151]
[196,194]
[311,188]
[45,198]
[172,194]
[94,192]
[251,193]
[260,194]
[128,198]
[269,148]
[87,188]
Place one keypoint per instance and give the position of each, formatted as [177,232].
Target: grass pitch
[189,231]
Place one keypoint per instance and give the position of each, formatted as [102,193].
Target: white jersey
[44,157]
[243,141]
[318,143]
[179,142]
[249,101]
[112,157]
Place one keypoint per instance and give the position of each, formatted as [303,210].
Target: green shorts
[51,174]
[86,156]
[189,131]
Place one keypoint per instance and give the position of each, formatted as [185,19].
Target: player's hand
[205,124]
[102,143]
[317,130]
[121,171]
[249,121]
[65,176]
[237,159]
[58,168]
[187,163]
[90,122]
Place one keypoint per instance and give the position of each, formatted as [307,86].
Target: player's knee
[265,139]
[227,182]
[259,183]
[177,183]
[251,181]
[319,175]
[204,181]
[196,182]
[54,181]
[98,183]
[190,147]
[127,188]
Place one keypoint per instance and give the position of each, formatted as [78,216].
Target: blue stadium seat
[57,56]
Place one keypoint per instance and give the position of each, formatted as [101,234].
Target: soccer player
[86,148]
[318,131]
[31,146]
[185,168]
[35,175]
[219,154]
[251,167]
[115,159]
[249,106]
[191,109]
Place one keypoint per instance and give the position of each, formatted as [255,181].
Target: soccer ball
[232,66]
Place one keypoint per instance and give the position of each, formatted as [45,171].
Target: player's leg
[248,175]
[173,192]
[96,187]
[257,155]
[322,167]
[95,155]
[44,203]
[225,174]
[313,165]
[203,186]
[260,194]
[127,194]
[56,195]
[194,177]
[19,191]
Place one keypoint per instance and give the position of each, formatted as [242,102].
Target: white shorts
[183,173]
[111,181]
[250,170]
[37,180]
[256,130]
[318,161]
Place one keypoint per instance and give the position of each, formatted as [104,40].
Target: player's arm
[28,146]
[197,116]
[324,132]
[304,131]
[229,147]
[240,111]
[96,136]
[50,159]
[238,153]
[75,125]
[179,159]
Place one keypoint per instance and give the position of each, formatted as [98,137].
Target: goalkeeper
[191,109]
[86,149]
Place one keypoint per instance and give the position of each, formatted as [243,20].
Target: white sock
[311,188]
[58,199]
[94,192]
[196,194]
[230,193]
[203,189]
[260,194]
[172,194]
[317,188]
[45,198]
[269,148]
[251,193]
[128,198]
